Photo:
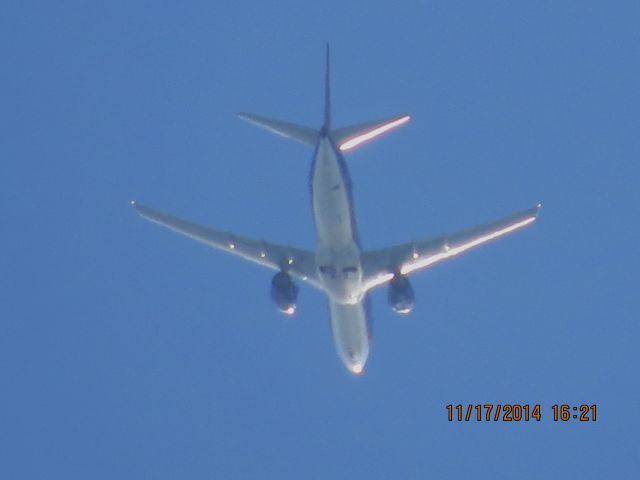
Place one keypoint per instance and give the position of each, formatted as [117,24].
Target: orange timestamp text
[515,412]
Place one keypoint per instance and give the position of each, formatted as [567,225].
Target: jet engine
[401,297]
[284,293]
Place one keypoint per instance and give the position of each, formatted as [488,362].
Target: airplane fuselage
[338,254]
[339,267]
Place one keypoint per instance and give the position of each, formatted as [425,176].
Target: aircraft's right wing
[380,265]
[300,263]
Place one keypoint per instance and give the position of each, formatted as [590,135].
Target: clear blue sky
[129,352]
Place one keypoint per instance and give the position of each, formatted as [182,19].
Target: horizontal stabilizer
[285,129]
[349,138]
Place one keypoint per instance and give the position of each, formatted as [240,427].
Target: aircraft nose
[355,364]
[350,334]
[357,368]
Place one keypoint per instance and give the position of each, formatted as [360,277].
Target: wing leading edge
[297,262]
[381,265]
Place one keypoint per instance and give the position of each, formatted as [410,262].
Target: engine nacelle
[401,297]
[284,293]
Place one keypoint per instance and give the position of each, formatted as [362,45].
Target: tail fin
[346,138]
[327,94]
[291,130]
[285,129]
[349,138]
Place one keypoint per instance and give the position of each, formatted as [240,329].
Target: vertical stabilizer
[327,94]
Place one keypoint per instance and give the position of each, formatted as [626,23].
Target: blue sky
[129,352]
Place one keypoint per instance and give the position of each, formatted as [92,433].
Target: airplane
[340,267]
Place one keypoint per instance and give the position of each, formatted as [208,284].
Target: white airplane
[339,267]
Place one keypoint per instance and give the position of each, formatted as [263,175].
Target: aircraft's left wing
[297,262]
[380,265]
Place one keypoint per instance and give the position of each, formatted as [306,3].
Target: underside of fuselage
[350,330]
[338,255]
[331,196]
